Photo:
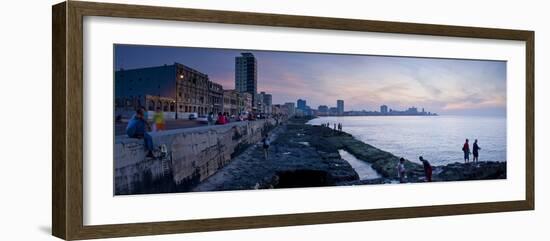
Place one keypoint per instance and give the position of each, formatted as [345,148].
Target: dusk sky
[444,86]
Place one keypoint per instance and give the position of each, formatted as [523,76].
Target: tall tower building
[384,109]
[340,107]
[246,74]
[301,104]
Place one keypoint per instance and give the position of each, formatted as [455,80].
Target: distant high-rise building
[322,110]
[267,98]
[291,108]
[333,111]
[246,74]
[301,104]
[384,109]
[264,102]
[340,107]
[412,110]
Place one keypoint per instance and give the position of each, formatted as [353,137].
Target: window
[172,107]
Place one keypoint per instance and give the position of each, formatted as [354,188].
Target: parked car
[243,116]
[193,116]
[203,119]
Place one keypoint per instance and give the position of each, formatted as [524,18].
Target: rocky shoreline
[303,155]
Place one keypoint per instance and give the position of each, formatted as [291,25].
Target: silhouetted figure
[265,146]
[210,118]
[475,151]
[427,169]
[334,126]
[401,171]
[466,150]
[118,119]
[339,126]
[220,120]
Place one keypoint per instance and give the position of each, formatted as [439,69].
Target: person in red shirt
[427,169]
[466,150]
[220,119]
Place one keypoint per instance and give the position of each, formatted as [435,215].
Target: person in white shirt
[401,170]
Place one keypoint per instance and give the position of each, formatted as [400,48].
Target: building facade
[144,87]
[290,108]
[216,97]
[246,74]
[193,91]
[175,88]
[246,100]
[230,102]
[322,110]
[264,103]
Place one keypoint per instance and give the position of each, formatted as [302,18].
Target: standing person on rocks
[265,145]
[427,169]
[475,152]
[334,126]
[466,150]
[401,171]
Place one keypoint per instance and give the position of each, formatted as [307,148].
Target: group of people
[138,126]
[224,118]
[336,126]
[474,152]
[221,119]
[402,171]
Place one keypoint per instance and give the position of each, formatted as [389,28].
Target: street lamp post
[177,94]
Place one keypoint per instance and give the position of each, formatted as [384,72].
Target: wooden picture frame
[67,123]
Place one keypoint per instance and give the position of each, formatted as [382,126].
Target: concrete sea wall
[191,156]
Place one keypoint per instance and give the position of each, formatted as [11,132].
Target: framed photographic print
[171,120]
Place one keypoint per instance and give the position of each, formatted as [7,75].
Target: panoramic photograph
[190,119]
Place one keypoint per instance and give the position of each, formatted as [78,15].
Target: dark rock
[470,171]
[302,155]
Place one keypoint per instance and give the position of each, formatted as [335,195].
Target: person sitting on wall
[137,128]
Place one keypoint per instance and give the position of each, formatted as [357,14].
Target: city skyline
[445,86]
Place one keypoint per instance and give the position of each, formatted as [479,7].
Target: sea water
[438,139]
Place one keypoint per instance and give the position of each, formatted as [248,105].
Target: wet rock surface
[302,155]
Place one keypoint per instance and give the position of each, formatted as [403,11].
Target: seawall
[191,156]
